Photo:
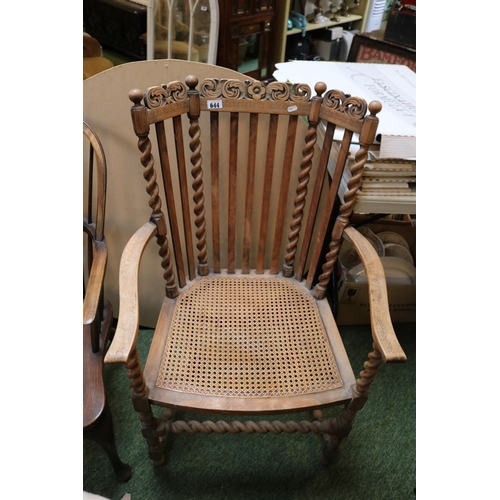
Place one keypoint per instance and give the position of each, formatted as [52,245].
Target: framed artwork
[372,48]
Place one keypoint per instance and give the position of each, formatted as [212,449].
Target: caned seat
[239,341]
[247,249]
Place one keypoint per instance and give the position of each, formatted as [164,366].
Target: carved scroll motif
[344,103]
[301,92]
[212,88]
[155,97]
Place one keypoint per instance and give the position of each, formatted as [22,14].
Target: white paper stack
[389,182]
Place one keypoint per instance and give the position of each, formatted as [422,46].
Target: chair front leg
[342,425]
[103,434]
[151,430]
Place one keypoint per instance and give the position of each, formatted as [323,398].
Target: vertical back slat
[233,161]
[214,165]
[196,160]
[313,209]
[303,182]
[90,247]
[285,185]
[170,199]
[181,165]
[90,185]
[334,187]
[266,194]
[247,230]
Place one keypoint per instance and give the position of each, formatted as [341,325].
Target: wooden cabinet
[117,24]
[247,33]
[253,34]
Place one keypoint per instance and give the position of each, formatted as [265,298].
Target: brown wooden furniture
[245,328]
[97,313]
[93,62]
[373,48]
[246,36]
[118,24]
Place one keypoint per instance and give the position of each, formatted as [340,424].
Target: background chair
[93,61]
[184,29]
[97,312]
[245,328]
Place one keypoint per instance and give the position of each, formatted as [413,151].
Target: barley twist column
[303,181]
[141,127]
[345,213]
[343,424]
[248,427]
[197,173]
[143,408]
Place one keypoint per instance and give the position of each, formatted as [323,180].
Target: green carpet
[376,461]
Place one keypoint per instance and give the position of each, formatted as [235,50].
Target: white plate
[391,237]
[394,250]
[375,241]
[349,257]
[397,272]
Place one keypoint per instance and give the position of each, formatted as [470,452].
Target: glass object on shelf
[248,53]
[183,29]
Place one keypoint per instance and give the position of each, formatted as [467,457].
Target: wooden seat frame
[97,314]
[300,256]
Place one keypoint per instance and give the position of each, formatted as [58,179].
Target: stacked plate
[394,253]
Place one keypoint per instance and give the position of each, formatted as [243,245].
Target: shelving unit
[318,26]
[355,20]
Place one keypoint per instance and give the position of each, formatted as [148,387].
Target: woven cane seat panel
[247,337]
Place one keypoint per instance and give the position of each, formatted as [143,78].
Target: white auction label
[292,108]
[216,104]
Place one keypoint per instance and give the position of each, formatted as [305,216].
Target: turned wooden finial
[191,82]
[374,107]
[135,95]
[320,87]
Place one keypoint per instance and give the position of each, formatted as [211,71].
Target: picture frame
[372,48]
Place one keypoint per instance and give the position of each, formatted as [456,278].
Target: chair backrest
[185,29]
[93,227]
[277,224]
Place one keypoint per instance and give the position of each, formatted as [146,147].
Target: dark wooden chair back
[93,227]
[260,194]
[97,311]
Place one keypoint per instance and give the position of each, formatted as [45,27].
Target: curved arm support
[127,329]
[96,279]
[384,337]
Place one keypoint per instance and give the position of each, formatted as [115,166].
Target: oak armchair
[247,248]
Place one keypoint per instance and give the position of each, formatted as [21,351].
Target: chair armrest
[95,282]
[383,333]
[128,318]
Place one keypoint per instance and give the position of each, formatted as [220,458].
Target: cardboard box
[328,51]
[329,34]
[353,302]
